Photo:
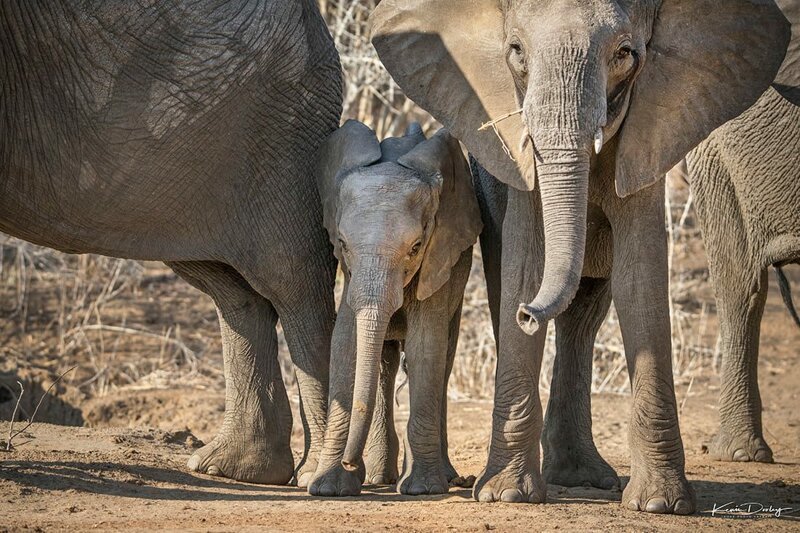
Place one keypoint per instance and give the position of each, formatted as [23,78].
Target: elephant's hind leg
[253,443]
[570,456]
[740,436]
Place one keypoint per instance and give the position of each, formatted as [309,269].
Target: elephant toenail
[485,496]
[683,507]
[214,470]
[633,505]
[656,505]
[511,496]
[741,455]
[764,456]
[194,463]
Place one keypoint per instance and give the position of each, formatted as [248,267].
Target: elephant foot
[510,484]
[305,472]
[660,491]
[572,468]
[423,479]
[333,480]
[741,448]
[243,459]
[382,473]
[455,480]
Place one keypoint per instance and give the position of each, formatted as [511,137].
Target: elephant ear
[787,82]
[351,146]
[457,222]
[449,58]
[707,62]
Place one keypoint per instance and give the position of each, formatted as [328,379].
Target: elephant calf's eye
[415,249]
[343,245]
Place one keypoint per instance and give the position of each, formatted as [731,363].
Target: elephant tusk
[598,141]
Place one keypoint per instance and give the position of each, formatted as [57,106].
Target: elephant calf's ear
[351,146]
[457,222]
[707,62]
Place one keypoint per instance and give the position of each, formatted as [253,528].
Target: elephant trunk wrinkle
[371,324]
[563,183]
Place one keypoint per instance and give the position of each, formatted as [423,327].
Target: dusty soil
[145,404]
[80,478]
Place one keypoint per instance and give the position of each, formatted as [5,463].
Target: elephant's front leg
[383,446]
[570,457]
[424,471]
[512,473]
[640,286]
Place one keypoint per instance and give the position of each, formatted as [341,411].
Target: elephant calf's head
[395,211]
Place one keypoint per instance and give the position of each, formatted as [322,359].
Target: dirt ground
[76,478]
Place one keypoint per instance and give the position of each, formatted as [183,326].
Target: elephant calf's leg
[740,437]
[383,446]
[424,471]
[253,444]
[453,478]
[570,456]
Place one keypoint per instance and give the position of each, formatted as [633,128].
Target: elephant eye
[415,249]
[516,57]
[343,245]
[623,52]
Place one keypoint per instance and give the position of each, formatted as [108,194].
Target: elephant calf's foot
[423,479]
[663,492]
[510,484]
[249,460]
[744,448]
[305,472]
[455,480]
[573,468]
[334,481]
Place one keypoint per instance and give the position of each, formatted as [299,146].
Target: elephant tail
[786,293]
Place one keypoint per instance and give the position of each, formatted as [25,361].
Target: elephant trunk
[563,185]
[564,112]
[371,324]
[375,292]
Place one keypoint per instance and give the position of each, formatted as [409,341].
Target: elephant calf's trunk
[371,327]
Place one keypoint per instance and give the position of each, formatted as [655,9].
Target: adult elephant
[611,93]
[183,132]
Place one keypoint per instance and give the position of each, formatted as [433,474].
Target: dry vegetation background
[129,326]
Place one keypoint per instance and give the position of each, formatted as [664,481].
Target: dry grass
[126,325]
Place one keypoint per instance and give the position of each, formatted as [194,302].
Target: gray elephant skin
[183,132]
[402,217]
[746,183]
[590,104]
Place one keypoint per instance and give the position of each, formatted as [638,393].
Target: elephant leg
[453,478]
[253,443]
[640,287]
[570,456]
[741,305]
[492,201]
[306,320]
[330,478]
[383,446]
[512,472]
[424,471]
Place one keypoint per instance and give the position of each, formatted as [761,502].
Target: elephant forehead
[384,183]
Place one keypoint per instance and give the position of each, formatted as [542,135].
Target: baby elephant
[402,218]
